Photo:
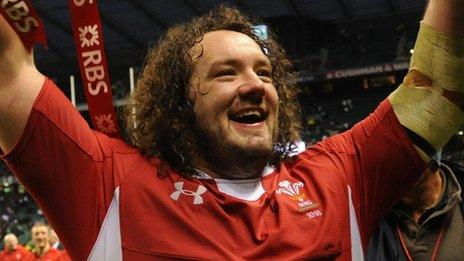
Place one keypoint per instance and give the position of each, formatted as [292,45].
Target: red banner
[22,17]
[88,37]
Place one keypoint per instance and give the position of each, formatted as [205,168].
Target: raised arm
[429,103]
[446,16]
[20,83]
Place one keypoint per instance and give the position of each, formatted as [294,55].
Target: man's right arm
[71,175]
[20,83]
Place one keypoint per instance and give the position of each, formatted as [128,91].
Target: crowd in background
[43,245]
[18,211]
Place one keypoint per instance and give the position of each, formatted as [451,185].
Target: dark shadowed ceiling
[131,26]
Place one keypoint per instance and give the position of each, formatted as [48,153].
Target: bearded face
[235,102]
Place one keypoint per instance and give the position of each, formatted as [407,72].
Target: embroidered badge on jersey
[179,186]
[295,192]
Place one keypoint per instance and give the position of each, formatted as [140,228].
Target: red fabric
[20,253]
[63,256]
[23,18]
[50,255]
[88,37]
[375,158]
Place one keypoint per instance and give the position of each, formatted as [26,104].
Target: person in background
[54,240]
[43,250]
[426,224]
[13,250]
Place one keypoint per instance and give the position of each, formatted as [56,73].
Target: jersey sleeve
[66,167]
[378,162]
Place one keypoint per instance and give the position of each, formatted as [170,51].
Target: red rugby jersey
[106,201]
[19,253]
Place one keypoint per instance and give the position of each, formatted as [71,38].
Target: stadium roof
[131,26]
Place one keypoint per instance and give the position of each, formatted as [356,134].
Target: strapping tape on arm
[431,118]
[440,57]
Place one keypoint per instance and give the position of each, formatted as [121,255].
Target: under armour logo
[197,199]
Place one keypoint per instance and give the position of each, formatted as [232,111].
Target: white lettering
[17,11]
[400,66]
[94,73]
[94,57]
[95,90]
[6,2]
[314,214]
[28,24]
[82,2]
[306,203]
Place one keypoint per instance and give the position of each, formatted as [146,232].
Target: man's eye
[265,75]
[225,73]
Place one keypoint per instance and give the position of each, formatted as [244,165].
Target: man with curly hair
[213,122]
[171,115]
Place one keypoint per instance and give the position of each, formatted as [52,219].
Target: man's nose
[252,89]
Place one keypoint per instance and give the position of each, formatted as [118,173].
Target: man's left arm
[430,102]
[446,16]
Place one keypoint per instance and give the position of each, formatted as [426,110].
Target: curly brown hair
[159,116]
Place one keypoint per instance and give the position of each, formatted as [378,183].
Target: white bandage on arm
[430,118]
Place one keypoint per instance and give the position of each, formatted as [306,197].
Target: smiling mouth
[249,116]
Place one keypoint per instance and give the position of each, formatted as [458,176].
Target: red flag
[22,17]
[88,37]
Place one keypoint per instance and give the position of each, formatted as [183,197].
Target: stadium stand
[18,210]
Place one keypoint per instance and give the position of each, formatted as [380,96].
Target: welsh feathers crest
[291,189]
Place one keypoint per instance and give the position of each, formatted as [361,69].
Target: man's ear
[196,51]
[193,89]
